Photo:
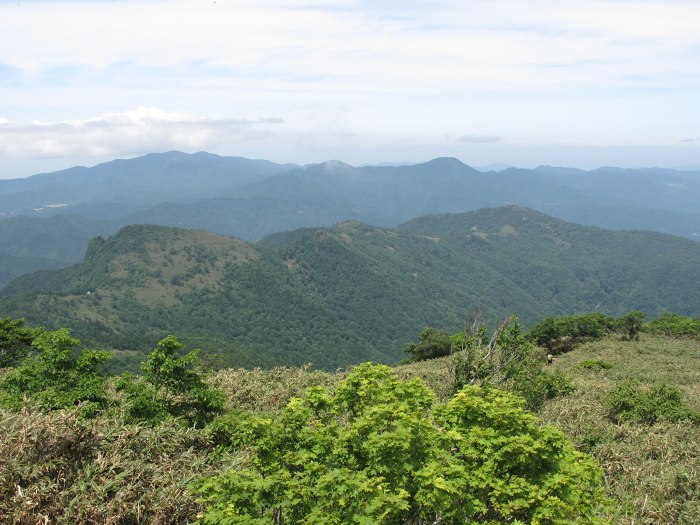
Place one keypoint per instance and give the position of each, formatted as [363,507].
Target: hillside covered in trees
[352,292]
[51,217]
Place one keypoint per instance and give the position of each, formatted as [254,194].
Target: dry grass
[260,390]
[652,472]
[60,468]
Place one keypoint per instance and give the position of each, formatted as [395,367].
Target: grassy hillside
[651,470]
[352,292]
[136,472]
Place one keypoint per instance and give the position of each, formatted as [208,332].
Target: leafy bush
[432,343]
[674,325]
[562,334]
[15,340]
[595,364]
[58,375]
[628,402]
[171,386]
[382,451]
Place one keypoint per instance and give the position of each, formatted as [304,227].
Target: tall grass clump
[60,467]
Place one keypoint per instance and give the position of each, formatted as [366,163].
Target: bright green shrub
[58,375]
[382,451]
[595,364]
[628,402]
[171,386]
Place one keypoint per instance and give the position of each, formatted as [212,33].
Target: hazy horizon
[53,166]
[605,83]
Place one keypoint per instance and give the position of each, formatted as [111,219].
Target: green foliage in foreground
[381,450]
[15,340]
[57,376]
[171,386]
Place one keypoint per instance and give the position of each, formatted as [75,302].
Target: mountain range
[47,220]
[352,292]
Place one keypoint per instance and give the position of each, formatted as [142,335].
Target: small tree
[15,340]
[631,324]
[59,375]
[171,386]
[432,343]
[506,359]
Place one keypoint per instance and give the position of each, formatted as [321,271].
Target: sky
[516,82]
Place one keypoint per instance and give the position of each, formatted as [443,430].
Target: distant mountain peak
[330,166]
[448,163]
[336,165]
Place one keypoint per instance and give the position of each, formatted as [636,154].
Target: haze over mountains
[46,220]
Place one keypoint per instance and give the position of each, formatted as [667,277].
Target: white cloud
[345,74]
[506,45]
[142,130]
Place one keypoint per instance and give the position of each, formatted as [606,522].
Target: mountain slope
[351,292]
[323,194]
[115,189]
[251,199]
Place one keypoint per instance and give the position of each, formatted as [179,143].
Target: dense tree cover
[674,325]
[561,334]
[381,450]
[358,289]
[432,343]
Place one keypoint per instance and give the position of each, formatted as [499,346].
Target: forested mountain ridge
[352,292]
[250,199]
[115,189]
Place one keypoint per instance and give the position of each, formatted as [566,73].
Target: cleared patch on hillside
[507,231]
[165,269]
